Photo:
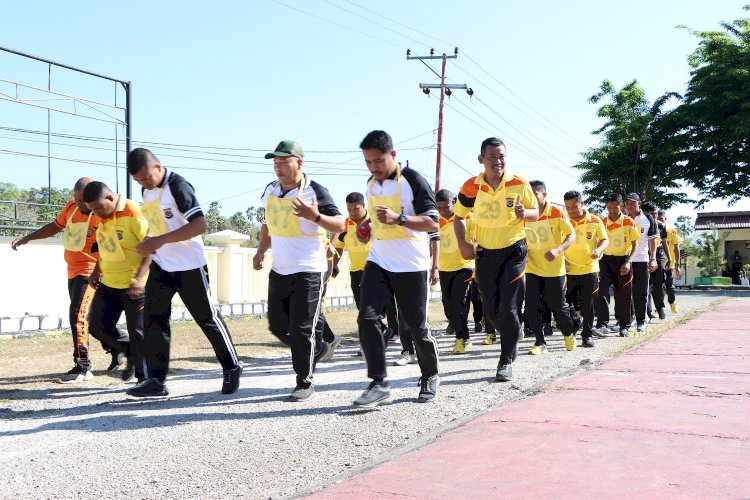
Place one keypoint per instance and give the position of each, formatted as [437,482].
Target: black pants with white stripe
[293,311]
[410,290]
[500,275]
[454,286]
[192,286]
[641,280]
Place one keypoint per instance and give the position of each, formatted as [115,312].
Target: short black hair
[443,195]
[95,190]
[648,207]
[490,141]
[616,197]
[661,212]
[536,184]
[573,195]
[355,197]
[377,139]
[140,158]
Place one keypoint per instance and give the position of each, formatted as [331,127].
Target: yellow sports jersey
[621,234]
[117,237]
[673,239]
[589,232]
[541,236]
[494,209]
[358,251]
[450,258]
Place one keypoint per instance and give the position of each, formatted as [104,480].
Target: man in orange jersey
[120,276]
[547,239]
[501,203]
[79,239]
[616,268]
[582,261]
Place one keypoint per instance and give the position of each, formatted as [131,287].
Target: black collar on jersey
[164,179]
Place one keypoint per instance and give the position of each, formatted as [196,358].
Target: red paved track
[670,418]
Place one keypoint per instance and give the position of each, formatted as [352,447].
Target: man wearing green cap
[298,213]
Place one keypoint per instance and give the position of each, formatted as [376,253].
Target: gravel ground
[92,440]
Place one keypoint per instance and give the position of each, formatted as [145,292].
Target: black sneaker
[117,359]
[231,380]
[428,388]
[324,348]
[377,393]
[302,393]
[624,331]
[587,342]
[662,313]
[151,387]
[504,372]
[129,372]
[478,327]
[547,329]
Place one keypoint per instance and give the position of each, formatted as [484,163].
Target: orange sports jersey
[79,263]
[589,232]
[494,209]
[621,234]
[546,233]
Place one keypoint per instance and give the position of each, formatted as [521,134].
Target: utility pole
[445,89]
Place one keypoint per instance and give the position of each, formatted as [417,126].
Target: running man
[120,277]
[176,225]
[501,203]
[298,212]
[402,211]
[643,258]
[548,238]
[79,240]
[582,261]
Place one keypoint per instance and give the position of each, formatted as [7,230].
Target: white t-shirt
[647,228]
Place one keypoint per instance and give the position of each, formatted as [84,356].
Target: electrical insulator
[455,51]
[432,52]
[408,52]
[448,92]
[426,91]
[470,91]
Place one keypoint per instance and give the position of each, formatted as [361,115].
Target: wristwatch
[402,220]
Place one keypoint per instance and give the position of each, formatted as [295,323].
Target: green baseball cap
[287,148]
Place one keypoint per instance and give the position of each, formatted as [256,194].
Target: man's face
[356,211]
[633,207]
[149,176]
[381,165]
[661,218]
[614,210]
[287,169]
[445,209]
[574,208]
[103,207]
[540,194]
[493,160]
[78,198]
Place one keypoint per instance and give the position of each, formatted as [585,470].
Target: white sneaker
[406,358]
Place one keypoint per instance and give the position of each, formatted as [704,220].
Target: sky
[215,86]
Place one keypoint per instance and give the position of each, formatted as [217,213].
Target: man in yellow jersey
[120,277]
[79,240]
[616,268]
[582,261]
[298,212]
[455,273]
[502,203]
[547,239]
[402,211]
[672,271]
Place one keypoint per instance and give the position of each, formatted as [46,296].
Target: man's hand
[595,254]
[434,276]
[677,272]
[468,252]
[625,269]
[18,242]
[149,246]
[519,208]
[652,265]
[668,265]
[137,290]
[258,261]
[387,216]
[552,254]
[95,277]
[305,211]
[330,251]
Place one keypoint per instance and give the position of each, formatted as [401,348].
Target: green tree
[710,130]
[710,251]
[689,251]
[632,155]
[214,220]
